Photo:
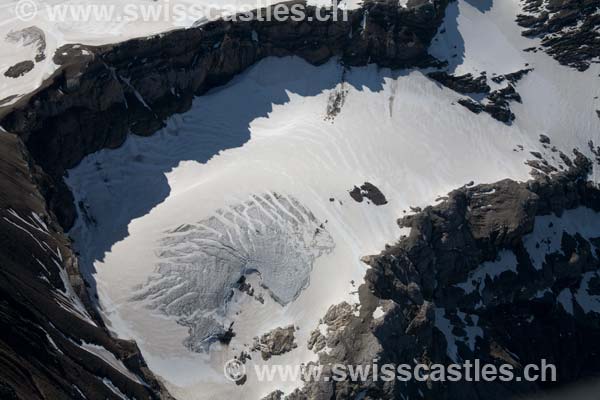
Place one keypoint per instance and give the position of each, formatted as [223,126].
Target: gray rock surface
[568,29]
[277,342]
[463,286]
[19,69]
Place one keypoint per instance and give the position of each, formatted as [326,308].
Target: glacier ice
[200,263]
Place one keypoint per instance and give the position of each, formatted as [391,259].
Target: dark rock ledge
[517,317]
[370,192]
[40,357]
[568,29]
[496,103]
[97,96]
[276,342]
[93,100]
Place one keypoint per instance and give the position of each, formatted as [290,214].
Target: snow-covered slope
[258,171]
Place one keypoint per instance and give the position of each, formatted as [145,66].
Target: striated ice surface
[200,264]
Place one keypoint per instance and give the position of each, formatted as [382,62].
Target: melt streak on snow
[267,132]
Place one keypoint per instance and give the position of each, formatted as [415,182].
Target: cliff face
[568,29]
[46,319]
[490,273]
[53,344]
[100,94]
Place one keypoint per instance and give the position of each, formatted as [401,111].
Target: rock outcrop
[95,98]
[99,94]
[463,84]
[568,29]
[49,329]
[370,192]
[19,69]
[470,282]
[277,342]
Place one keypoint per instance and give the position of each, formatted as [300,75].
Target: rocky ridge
[95,98]
[47,320]
[276,342]
[496,103]
[568,29]
[466,284]
[99,94]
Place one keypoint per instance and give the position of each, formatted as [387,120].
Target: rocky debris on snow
[226,336]
[595,151]
[317,341]
[463,84]
[497,104]
[245,287]
[499,107]
[469,282]
[19,69]
[472,105]
[544,139]
[336,100]
[541,166]
[513,77]
[31,36]
[276,395]
[536,154]
[569,30]
[370,192]
[244,356]
[277,342]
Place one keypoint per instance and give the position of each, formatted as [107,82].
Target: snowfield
[254,180]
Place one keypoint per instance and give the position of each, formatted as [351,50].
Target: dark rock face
[276,395]
[568,28]
[463,84]
[513,77]
[370,192]
[95,98]
[278,341]
[438,310]
[99,94]
[498,104]
[19,69]
[41,331]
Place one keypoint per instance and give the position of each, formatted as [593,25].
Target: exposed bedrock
[99,94]
[370,192]
[53,343]
[276,342]
[496,103]
[463,84]
[568,29]
[492,273]
[19,69]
